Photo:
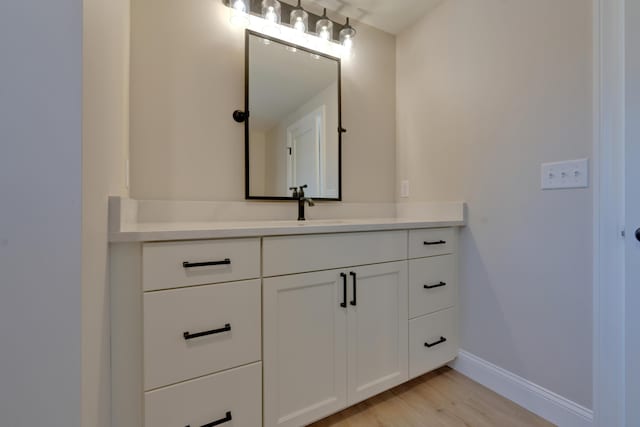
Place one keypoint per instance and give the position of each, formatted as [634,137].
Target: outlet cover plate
[567,174]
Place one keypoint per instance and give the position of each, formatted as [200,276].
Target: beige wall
[187,76]
[487,91]
[104,150]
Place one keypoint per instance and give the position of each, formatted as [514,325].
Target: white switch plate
[404,188]
[568,174]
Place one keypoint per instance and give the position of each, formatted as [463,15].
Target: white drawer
[432,329]
[176,264]
[432,284]
[237,393]
[430,242]
[170,357]
[300,254]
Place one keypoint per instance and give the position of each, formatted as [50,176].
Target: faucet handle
[295,192]
[301,192]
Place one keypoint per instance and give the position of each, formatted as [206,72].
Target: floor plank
[443,398]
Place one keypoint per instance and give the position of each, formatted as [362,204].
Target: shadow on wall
[474,280]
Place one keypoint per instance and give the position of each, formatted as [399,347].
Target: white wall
[633,210]
[187,77]
[40,212]
[104,150]
[487,91]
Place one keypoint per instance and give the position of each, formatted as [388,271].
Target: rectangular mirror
[292,133]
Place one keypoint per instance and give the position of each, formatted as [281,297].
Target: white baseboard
[548,405]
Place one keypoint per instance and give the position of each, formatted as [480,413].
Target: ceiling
[392,16]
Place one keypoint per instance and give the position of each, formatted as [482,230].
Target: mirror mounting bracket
[240,116]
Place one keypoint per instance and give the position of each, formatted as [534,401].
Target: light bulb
[271,15]
[299,25]
[324,33]
[239,6]
[239,16]
[347,43]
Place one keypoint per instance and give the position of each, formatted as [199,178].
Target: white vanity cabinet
[276,330]
[332,339]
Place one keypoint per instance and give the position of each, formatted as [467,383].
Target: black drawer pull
[439,242]
[440,341]
[226,419]
[437,285]
[188,336]
[355,286]
[188,264]
[343,304]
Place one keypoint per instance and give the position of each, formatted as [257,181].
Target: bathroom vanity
[276,323]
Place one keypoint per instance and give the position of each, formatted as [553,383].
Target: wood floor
[442,398]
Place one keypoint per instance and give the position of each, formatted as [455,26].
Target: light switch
[568,174]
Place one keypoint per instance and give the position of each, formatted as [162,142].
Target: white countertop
[146,232]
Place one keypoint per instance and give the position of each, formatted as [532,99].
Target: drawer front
[432,284]
[300,254]
[228,316]
[163,264]
[432,329]
[234,394]
[430,242]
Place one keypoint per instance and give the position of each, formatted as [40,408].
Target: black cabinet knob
[638,234]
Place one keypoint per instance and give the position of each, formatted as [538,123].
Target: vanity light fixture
[266,17]
[347,34]
[324,27]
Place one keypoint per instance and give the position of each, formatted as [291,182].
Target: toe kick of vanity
[276,330]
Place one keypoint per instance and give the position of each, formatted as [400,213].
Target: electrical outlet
[568,174]
[404,188]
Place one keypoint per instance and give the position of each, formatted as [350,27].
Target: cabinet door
[378,329]
[305,355]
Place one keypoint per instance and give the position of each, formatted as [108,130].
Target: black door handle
[433,344]
[638,234]
[226,419]
[437,285]
[343,304]
[188,336]
[354,302]
[188,264]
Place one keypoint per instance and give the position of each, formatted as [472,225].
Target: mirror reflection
[293,137]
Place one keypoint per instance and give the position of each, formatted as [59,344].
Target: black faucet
[298,194]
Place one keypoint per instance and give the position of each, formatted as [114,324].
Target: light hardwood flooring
[441,398]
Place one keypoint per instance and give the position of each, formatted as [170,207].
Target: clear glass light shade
[324,27]
[239,12]
[299,19]
[271,11]
[347,34]
[240,5]
[272,16]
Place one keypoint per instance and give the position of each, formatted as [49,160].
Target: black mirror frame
[245,116]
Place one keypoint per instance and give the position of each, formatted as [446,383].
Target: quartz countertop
[162,231]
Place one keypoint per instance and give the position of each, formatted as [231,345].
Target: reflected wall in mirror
[293,133]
